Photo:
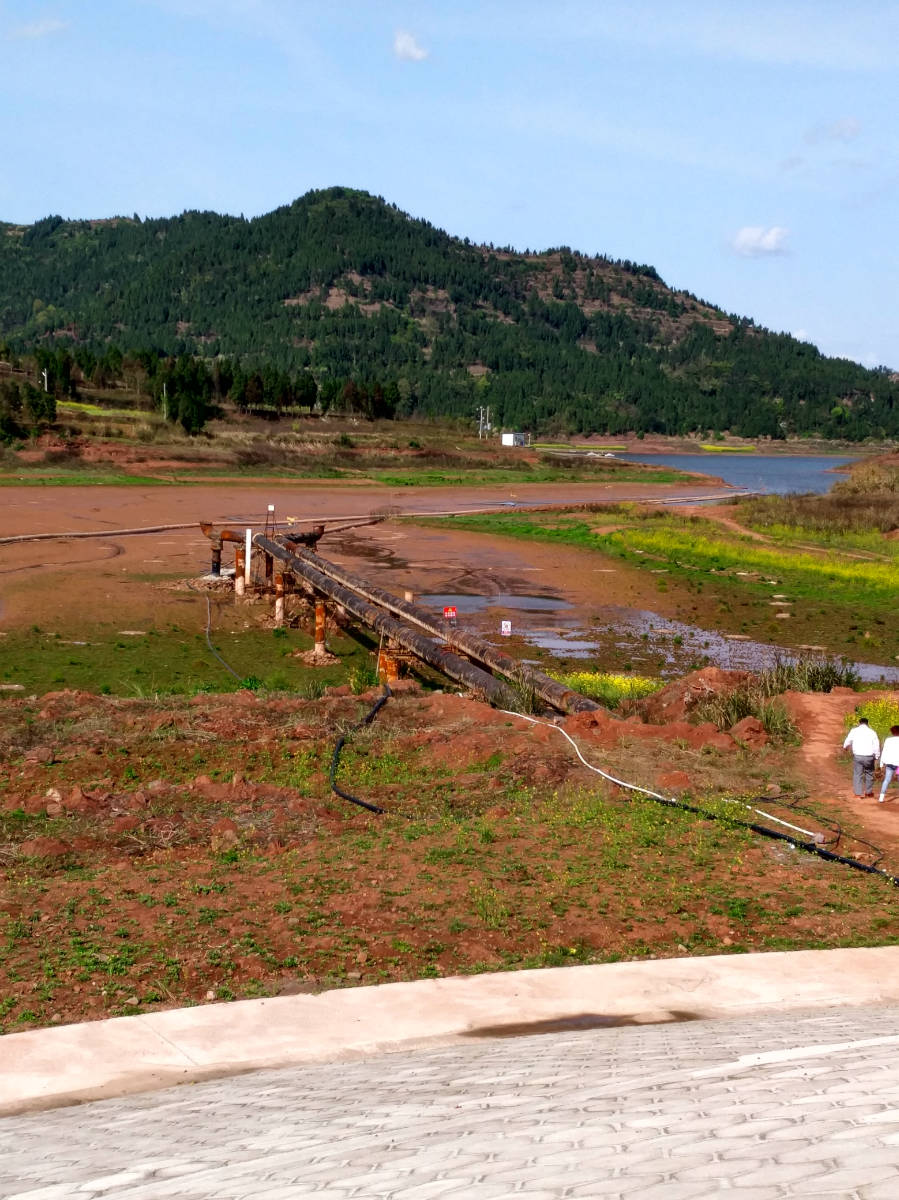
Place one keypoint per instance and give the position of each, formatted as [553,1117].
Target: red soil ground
[64,585]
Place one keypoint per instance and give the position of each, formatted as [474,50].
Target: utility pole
[46,380]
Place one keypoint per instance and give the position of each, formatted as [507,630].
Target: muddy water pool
[617,638]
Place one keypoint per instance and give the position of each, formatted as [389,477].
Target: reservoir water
[780,473]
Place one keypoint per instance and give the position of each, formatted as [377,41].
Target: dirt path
[720,517]
[821,721]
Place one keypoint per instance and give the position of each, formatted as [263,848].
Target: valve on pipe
[223,535]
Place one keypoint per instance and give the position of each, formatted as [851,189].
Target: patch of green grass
[579,446]
[806,575]
[585,471]
[168,661]
[88,477]
[120,414]
[840,601]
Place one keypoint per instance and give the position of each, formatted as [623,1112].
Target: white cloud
[39,29]
[407,47]
[845,129]
[864,36]
[754,241]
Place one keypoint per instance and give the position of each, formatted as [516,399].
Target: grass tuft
[748,701]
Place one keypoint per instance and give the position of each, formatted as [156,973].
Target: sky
[748,151]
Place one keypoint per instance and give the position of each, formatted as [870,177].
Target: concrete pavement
[803,1104]
[770,1075]
[68,1063]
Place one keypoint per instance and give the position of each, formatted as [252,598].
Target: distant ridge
[346,286]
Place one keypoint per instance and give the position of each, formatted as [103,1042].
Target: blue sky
[748,151]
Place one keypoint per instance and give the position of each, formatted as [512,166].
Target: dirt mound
[676,701]
[607,731]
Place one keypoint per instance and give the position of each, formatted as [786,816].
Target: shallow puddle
[465,603]
[620,638]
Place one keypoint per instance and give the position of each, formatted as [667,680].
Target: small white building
[514,439]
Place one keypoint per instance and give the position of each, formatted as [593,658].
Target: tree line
[341,300]
[189,391]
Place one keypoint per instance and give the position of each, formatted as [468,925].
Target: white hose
[636,787]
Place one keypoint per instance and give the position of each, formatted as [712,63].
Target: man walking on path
[865,746]
[889,760]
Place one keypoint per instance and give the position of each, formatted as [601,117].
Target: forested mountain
[350,296]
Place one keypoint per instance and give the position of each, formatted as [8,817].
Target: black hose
[835,827]
[776,835]
[210,645]
[338,749]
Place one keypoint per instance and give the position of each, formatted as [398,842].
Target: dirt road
[67,583]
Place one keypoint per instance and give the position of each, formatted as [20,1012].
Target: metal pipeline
[423,647]
[548,689]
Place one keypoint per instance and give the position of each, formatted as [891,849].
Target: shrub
[610,690]
[807,675]
[364,675]
[881,715]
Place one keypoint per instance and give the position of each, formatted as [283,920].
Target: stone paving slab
[63,1064]
[802,1103]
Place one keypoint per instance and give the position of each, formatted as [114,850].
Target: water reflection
[622,637]
[779,473]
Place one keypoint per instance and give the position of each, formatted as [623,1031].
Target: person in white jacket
[889,760]
[865,745]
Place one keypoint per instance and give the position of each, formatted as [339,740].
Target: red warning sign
[449,612]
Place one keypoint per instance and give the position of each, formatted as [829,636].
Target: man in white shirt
[865,745]
[889,760]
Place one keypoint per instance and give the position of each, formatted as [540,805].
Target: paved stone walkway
[800,1104]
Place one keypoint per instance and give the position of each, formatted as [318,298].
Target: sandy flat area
[71,583]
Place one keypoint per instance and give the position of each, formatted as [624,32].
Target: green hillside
[344,291]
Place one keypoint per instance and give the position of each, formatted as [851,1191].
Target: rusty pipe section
[223,535]
[548,689]
[376,618]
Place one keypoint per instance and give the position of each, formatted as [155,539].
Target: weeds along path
[720,517]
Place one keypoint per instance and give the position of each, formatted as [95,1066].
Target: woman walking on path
[865,746]
[889,760]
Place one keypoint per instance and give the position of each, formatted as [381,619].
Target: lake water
[780,473]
